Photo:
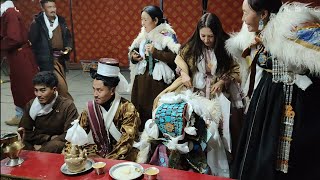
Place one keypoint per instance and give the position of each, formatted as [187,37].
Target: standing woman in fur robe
[207,70]
[151,57]
[280,137]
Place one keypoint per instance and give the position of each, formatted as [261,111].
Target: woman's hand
[149,49]
[217,87]
[186,80]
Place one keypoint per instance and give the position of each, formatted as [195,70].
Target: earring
[261,25]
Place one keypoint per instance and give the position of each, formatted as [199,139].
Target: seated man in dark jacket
[48,116]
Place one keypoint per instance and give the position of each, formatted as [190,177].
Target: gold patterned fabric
[127,121]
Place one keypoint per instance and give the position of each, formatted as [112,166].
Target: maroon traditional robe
[15,46]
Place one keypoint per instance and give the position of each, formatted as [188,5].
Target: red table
[39,165]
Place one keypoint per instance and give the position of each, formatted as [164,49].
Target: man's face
[101,92]
[44,94]
[50,9]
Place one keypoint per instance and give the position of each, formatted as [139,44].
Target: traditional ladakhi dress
[41,123]
[23,67]
[281,131]
[112,129]
[47,43]
[153,74]
[190,122]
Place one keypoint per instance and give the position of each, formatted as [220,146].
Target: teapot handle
[21,133]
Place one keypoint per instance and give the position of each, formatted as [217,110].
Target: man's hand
[66,50]
[53,137]
[37,147]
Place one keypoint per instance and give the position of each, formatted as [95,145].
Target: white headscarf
[6,5]
[114,71]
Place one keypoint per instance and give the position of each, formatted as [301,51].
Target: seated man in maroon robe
[47,117]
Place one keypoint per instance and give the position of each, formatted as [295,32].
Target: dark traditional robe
[47,51]
[15,46]
[59,63]
[42,45]
[261,142]
[41,130]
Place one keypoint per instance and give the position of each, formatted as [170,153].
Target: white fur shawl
[236,44]
[157,36]
[277,38]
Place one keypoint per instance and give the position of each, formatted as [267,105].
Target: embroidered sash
[96,123]
[101,124]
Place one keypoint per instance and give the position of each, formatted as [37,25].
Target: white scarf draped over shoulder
[38,109]
[53,27]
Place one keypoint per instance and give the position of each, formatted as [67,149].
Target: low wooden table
[39,165]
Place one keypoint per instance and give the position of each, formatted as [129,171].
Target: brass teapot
[11,145]
[76,159]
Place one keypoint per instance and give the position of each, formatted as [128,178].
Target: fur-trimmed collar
[158,34]
[279,36]
[235,46]
[239,41]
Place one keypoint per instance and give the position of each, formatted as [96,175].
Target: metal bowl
[99,167]
[151,173]
[126,170]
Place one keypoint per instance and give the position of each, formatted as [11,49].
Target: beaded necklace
[280,73]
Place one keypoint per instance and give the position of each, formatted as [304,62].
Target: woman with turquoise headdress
[279,47]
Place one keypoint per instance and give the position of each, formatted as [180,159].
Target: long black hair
[272,6]
[155,12]
[196,46]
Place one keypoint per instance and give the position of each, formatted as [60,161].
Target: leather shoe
[13,122]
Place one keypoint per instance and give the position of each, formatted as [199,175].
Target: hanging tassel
[150,59]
